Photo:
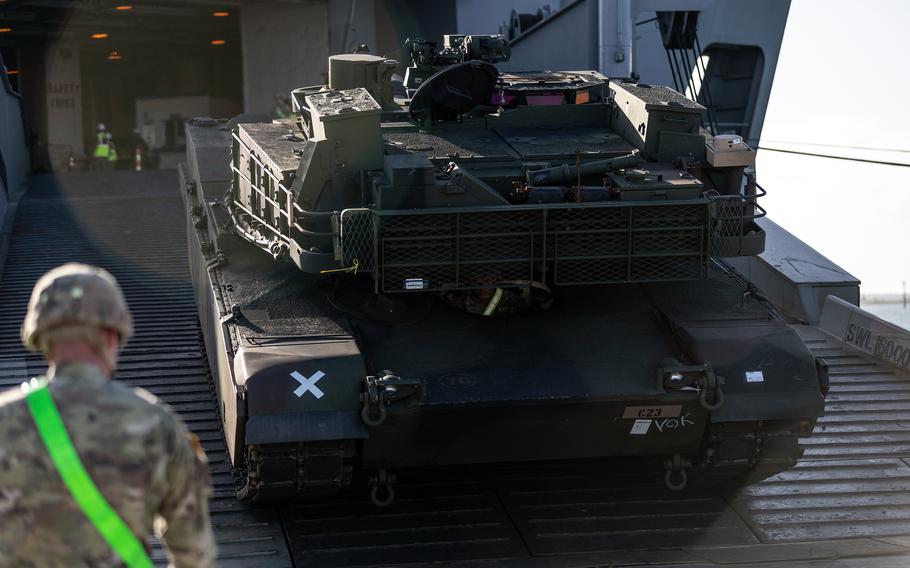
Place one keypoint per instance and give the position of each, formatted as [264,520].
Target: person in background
[112,157]
[282,106]
[102,148]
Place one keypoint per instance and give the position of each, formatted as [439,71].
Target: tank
[470,266]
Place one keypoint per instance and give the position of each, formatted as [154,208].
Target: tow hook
[673,375]
[675,477]
[382,493]
[712,394]
[379,392]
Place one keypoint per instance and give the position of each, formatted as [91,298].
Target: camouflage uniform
[139,454]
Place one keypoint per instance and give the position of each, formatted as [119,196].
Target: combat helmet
[75,296]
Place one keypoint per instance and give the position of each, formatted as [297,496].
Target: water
[893,313]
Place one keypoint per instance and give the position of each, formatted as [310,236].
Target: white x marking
[308,384]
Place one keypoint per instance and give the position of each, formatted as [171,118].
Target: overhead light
[5,30]
[221,14]
[114,56]
[124,7]
[217,42]
[99,36]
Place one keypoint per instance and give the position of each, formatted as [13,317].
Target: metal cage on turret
[572,244]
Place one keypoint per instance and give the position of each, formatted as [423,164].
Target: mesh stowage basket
[581,244]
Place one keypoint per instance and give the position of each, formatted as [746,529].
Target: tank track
[734,454]
[737,454]
[280,472]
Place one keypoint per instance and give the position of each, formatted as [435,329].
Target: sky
[840,88]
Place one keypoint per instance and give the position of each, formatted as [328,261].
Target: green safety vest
[102,149]
[59,445]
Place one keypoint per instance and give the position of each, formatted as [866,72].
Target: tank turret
[541,150]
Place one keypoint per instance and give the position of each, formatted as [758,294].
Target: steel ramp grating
[845,504]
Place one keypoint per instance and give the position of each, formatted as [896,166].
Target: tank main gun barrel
[560,174]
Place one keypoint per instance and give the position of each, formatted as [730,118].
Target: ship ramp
[846,504]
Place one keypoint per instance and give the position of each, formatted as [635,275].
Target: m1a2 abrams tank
[499,267]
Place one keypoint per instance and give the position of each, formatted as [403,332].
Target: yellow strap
[353,268]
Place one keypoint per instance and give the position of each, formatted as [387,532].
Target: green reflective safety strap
[494,301]
[105,519]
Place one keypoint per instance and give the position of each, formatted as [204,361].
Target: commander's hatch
[455,90]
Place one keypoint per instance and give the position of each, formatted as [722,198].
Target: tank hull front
[530,432]
[293,356]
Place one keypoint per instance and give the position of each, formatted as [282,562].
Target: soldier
[90,489]
[282,106]
[102,148]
